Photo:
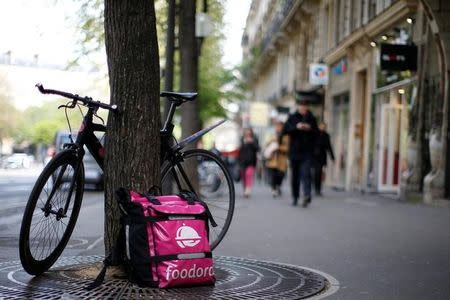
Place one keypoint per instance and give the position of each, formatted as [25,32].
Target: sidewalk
[377,248]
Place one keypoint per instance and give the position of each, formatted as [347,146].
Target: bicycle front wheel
[51,213]
[205,174]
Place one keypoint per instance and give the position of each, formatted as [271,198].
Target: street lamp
[203,25]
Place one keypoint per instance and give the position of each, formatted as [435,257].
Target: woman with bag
[247,159]
[276,155]
[321,149]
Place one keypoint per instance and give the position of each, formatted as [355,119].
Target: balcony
[261,52]
[277,22]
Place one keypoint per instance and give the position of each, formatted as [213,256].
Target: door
[339,136]
[389,148]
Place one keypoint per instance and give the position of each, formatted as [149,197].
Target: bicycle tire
[38,261]
[219,201]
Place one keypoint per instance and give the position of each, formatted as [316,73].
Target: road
[15,187]
[376,247]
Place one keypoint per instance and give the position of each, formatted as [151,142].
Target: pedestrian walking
[247,159]
[301,127]
[276,155]
[215,150]
[322,147]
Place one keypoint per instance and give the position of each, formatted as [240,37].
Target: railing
[274,27]
[277,21]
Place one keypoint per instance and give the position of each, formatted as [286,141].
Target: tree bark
[170,49]
[132,138]
[169,69]
[190,117]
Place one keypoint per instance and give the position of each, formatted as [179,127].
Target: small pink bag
[166,239]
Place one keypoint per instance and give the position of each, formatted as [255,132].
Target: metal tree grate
[237,278]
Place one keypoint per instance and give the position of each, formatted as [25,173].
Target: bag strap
[155,190]
[123,194]
[191,198]
[153,199]
[113,259]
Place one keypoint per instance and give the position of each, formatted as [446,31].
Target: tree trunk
[169,69]
[190,117]
[132,140]
[170,49]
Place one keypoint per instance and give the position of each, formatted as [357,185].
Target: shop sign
[259,114]
[398,57]
[318,74]
[340,67]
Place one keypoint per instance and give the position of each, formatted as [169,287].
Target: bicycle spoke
[48,226]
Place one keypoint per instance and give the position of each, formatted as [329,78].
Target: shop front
[389,151]
[392,101]
[340,124]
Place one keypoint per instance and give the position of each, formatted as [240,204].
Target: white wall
[21,82]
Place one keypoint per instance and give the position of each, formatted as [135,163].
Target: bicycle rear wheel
[210,180]
[51,213]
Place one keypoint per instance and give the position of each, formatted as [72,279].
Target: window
[356,15]
[337,17]
[346,20]
[372,8]
[364,11]
[326,29]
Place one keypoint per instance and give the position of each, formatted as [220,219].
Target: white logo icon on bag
[187,237]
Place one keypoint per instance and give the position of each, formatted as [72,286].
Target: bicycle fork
[61,212]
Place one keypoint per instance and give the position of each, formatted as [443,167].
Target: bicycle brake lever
[101,119]
[72,105]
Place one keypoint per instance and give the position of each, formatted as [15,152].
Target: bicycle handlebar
[85,100]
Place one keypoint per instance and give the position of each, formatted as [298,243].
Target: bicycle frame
[173,153]
[86,137]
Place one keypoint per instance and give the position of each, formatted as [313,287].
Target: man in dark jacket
[301,127]
[323,146]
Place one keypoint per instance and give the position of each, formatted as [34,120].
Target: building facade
[386,100]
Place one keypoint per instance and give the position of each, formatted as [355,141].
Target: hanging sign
[398,57]
[318,74]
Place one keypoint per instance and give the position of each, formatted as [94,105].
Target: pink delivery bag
[166,239]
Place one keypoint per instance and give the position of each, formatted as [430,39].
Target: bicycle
[55,200]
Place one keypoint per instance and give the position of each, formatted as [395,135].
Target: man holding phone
[301,127]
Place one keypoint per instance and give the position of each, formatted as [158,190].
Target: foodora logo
[187,237]
[193,272]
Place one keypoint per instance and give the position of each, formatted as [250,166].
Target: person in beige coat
[276,155]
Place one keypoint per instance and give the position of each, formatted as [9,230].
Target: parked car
[17,161]
[93,175]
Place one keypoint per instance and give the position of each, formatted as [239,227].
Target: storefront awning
[312,97]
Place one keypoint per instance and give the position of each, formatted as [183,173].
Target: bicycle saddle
[183,96]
